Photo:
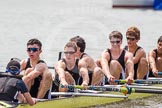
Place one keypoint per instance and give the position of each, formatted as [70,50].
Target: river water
[54,22]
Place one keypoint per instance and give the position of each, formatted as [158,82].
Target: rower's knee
[143,61]
[114,63]
[97,70]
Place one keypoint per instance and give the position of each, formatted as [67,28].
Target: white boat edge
[132,3]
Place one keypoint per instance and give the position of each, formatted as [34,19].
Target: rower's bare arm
[151,60]
[105,57]
[38,70]
[140,53]
[83,70]
[129,65]
[60,70]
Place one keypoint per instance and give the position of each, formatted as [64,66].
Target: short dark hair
[34,41]
[115,34]
[159,39]
[71,44]
[80,42]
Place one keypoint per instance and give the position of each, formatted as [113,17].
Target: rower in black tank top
[37,80]
[74,72]
[135,65]
[120,60]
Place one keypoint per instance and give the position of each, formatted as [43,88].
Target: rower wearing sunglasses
[12,88]
[139,55]
[37,77]
[67,68]
[115,61]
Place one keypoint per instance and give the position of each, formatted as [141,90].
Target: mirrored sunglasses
[131,39]
[69,52]
[113,42]
[32,49]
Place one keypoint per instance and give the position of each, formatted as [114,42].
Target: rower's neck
[33,62]
[132,48]
[116,52]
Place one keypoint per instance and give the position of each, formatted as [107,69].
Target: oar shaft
[153,91]
[87,94]
[124,89]
[140,81]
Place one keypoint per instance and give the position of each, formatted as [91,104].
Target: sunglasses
[131,39]
[113,42]
[69,52]
[32,49]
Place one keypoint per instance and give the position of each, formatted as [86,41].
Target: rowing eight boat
[81,101]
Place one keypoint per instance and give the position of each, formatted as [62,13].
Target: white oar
[87,94]
[154,78]
[88,91]
[40,100]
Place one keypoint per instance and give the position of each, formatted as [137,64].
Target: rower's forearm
[61,75]
[153,66]
[130,68]
[84,75]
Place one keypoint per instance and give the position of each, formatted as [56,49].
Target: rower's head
[80,42]
[33,42]
[133,33]
[159,44]
[13,67]
[115,38]
[70,50]
[34,48]
[159,39]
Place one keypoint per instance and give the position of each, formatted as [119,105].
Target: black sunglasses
[131,39]
[32,49]
[115,42]
[69,52]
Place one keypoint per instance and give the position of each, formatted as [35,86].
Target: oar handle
[159,73]
[120,81]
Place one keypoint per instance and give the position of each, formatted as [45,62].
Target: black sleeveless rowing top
[120,60]
[28,63]
[35,86]
[135,65]
[74,72]
[156,53]
[82,55]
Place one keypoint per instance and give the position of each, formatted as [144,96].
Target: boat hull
[81,101]
[132,3]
